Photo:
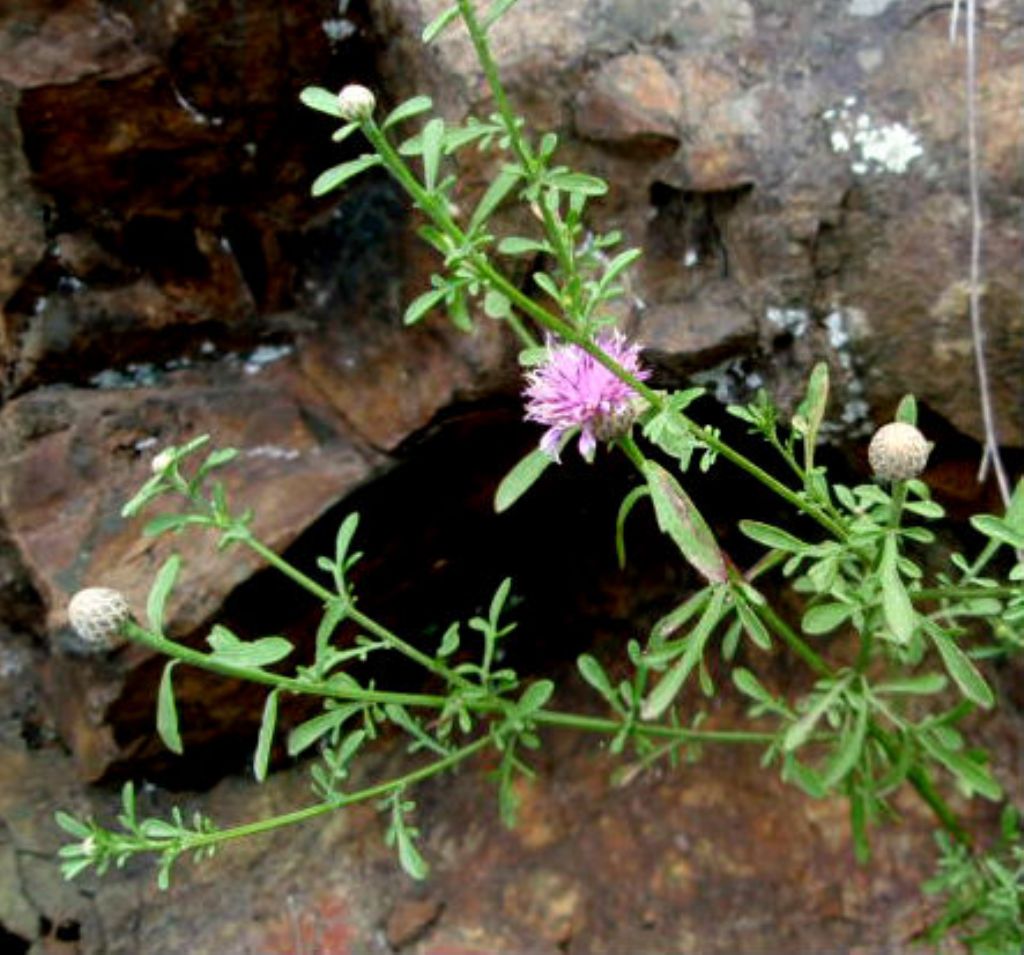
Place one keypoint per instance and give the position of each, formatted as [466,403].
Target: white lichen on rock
[872,146]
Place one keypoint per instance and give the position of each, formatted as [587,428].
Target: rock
[631,103]
[410,919]
[22,237]
[71,459]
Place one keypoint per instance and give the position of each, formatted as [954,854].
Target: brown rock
[411,919]
[22,236]
[633,103]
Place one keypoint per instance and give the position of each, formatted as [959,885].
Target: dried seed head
[98,615]
[356,103]
[898,451]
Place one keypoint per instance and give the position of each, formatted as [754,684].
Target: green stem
[965,593]
[925,788]
[792,639]
[311,812]
[493,76]
[357,616]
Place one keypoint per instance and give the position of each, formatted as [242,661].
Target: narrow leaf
[628,502]
[497,191]
[520,479]
[960,667]
[535,696]
[408,109]
[433,148]
[338,175]
[322,100]
[824,618]
[163,583]
[679,519]
[422,304]
[797,734]
[261,758]
[896,603]
[773,537]
[661,697]
[434,28]
[167,712]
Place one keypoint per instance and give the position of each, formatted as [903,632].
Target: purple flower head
[572,390]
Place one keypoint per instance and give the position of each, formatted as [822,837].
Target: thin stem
[792,639]
[311,812]
[483,53]
[357,616]
[964,593]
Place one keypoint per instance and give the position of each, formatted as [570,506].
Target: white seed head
[898,452]
[98,615]
[160,461]
[356,103]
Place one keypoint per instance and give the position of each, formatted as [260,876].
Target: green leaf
[408,109]
[340,135]
[972,774]
[261,759]
[306,734]
[661,697]
[774,537]
[625,508]
[673,620]
[71,825]
[960,667]
[592,671]
[851,745]
[497,11]
[922,685]
[520,479]
[535,696]
[414,865]
[999,530]
[798,733]
[450,641]
[906,411]
[246,654]
[497,191]
[163,583]
[163,523]
[1015,512]
[518,245]
[320,99]
[811,412]
[618,265]
[679,519]
[433,150]
[496,305]
[434,28]
[422,304]
[339,175]
[167,712]
[576,182]
[752,624]
[896,604]
[824,618]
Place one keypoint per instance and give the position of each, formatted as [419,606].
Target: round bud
[356,103]
[98,614]
[898,452]
[159,463]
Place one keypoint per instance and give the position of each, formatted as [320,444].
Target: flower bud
[98,614]
[356,103]
[159,463]
[898,452]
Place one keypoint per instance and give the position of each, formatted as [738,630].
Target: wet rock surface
[795,174]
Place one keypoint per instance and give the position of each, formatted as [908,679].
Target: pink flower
[572,390]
